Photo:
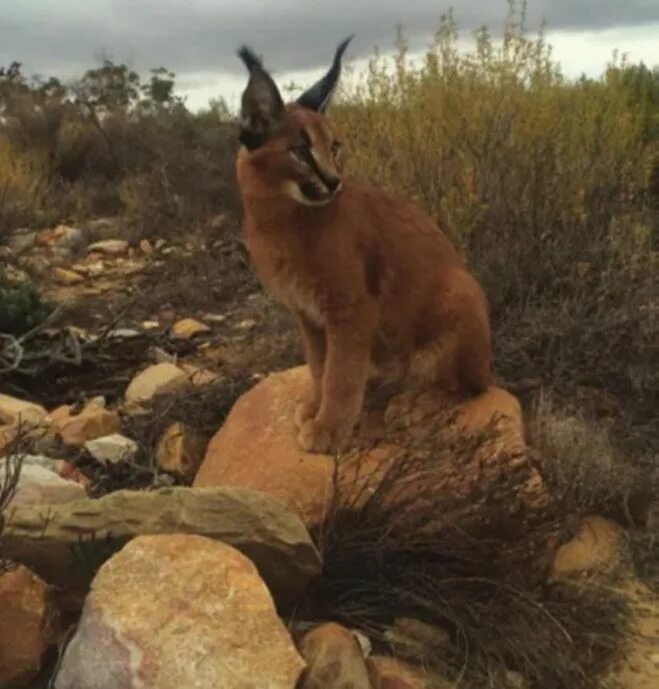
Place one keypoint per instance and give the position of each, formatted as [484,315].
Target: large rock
[176,611]
[28,625]
[256,448]
[334,659]
[40,481]
[68,543]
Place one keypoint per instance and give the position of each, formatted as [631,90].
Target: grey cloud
[192,36]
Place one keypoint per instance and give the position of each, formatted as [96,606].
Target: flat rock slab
[67,543]
[175,611]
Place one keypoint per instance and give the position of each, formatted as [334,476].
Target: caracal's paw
[316,436]
[306,410]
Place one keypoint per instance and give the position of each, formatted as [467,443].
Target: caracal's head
[288,150]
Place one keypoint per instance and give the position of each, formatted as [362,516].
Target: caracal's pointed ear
[320,94]
[262,107]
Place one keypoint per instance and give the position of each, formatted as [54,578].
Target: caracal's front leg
[349,339]
[313,337]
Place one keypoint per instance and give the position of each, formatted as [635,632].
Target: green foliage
[21,308]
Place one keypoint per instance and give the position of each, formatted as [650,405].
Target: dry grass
[580,463]
[384,560]
[546,187]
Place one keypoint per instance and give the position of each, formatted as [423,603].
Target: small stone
[597,547]
[180,451]
[67,277]
[415,640]
[176,611]
[200,376]
[247,324]
[334,659]
[112,449]
[94,421]
[124,333]
[110,247]
[146,247]
[61,238]
[95,268]
[14,276]
[215,317]
[15,412]
[155,380]
[150,325]
[392,673]
[22,240]
[29,624]
[187,328]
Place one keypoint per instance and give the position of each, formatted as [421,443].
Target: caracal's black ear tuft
[319,95]
[262,107]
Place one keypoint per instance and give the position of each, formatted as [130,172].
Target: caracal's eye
[336,148]
[302,152]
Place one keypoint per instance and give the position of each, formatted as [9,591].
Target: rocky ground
[153,539]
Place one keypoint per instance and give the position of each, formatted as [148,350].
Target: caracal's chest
[287,274]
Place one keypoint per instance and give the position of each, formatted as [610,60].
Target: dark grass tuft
[485,589]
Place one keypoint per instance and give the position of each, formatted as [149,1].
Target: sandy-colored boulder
[180,450]
[257,448]
[28,625]
[15,412]
[187,328]
[93,421]
[334,659]
[176,611]
[155,380]
[68,545]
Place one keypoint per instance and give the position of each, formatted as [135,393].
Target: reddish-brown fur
[369,277]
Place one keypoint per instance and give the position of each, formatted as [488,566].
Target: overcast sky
[198,38]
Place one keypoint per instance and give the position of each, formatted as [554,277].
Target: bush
[21,308]
[111,144]
[583,468]
[541,182]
